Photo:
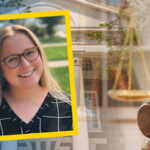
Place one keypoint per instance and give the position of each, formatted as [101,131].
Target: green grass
[52,40]
[56,53]
[61,75]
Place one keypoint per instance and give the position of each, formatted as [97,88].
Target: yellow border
[71,75]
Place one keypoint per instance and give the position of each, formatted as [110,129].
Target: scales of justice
[130,94]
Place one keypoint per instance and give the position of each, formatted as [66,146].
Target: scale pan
[129,95]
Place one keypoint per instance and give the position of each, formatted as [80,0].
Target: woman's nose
[24,62]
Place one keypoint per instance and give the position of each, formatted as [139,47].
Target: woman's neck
[25,93]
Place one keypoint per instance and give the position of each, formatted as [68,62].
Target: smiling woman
[31,100]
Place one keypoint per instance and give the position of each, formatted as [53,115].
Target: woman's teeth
[27,74]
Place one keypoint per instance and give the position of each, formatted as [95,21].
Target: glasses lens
[12,61]
[31,54]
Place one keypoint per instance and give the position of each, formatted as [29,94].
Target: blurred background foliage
[42,27]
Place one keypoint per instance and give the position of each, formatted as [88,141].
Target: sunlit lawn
[56,53]
[61,75]
[53,40]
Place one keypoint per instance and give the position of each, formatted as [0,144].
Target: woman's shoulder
[59,100]
[60,105]
[143,118]
[63,111]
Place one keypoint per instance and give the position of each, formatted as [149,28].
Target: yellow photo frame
[66,14]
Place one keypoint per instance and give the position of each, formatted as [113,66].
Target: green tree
[39,31]
[14,4]
[51,22]
[113,37]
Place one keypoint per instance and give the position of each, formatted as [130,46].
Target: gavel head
[143,119]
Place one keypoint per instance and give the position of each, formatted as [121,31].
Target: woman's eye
[12,59]
[29,52]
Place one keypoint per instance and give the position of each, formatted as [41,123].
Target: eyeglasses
[13,61]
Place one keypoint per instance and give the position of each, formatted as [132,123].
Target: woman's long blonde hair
[46,79]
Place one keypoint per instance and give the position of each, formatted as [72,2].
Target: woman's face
[28,73]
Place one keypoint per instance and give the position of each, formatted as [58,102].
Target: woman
[31,100]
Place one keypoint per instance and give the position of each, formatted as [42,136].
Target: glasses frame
[19,55]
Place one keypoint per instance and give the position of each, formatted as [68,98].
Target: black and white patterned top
[53,115]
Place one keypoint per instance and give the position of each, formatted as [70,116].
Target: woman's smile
[26,75]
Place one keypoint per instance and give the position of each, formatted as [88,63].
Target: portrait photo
[37,87]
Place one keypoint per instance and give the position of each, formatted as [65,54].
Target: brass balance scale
[130,94]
